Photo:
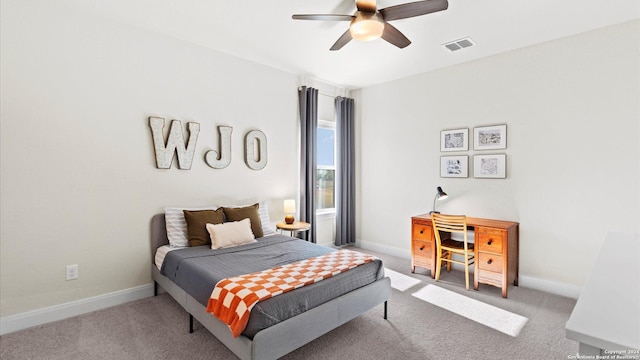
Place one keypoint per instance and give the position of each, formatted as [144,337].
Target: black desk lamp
[439,195]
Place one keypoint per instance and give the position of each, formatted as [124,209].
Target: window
[326,170]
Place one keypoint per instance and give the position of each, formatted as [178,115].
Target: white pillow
[231,233]
[177,225]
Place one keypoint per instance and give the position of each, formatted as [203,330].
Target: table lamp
[439,196]
[289,210]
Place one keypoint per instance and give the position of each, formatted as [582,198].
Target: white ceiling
[263,31]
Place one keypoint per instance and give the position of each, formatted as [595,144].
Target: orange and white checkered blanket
[233,298]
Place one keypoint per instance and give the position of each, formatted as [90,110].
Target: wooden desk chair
[448,247]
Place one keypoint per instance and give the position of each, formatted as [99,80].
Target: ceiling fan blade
[325,17]
[395,37]
[342,41]
[412,9]
[366,5]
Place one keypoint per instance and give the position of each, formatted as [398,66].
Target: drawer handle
[489,243]
[421,232]
[421,247]
[489,261]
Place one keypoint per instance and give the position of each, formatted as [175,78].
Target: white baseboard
[12,323]
[550,286]
[554,287]
[391,250]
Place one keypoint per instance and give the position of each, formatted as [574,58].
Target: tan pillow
[230,234]
[196,224]
[247,212]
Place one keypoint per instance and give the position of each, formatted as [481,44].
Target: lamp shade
[289,206]
[440,194]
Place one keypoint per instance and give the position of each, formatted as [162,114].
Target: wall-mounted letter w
[175,143]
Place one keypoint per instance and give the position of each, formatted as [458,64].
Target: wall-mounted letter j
[222,158]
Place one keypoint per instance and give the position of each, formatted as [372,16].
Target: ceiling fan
[369,23]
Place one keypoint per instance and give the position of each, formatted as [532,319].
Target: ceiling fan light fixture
[367,26]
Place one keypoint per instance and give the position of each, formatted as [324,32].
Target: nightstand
[294,229]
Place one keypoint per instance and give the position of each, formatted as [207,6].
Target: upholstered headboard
[158,234]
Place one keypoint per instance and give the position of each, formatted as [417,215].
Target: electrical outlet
[72,272]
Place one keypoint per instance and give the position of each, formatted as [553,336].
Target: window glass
[326,147]
[325,190]
[326,170]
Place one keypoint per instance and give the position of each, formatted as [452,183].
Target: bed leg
[385,310]
[190,324]
[155,288]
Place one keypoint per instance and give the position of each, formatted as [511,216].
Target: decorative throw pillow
[247,212]
[230,234]
[197,221]
[263,211]
[177,225]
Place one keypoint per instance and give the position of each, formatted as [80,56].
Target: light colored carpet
[157,328]
[504,321]
[400,281]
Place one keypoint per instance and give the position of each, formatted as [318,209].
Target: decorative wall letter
[221,159]
[175,143]
[255,161]
[255,146]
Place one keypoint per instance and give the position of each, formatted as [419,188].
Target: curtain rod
[325,93]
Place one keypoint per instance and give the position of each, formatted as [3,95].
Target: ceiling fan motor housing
[367,26]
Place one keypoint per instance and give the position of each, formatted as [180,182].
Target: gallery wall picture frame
[492,166]
[490,137]
[454,140]
[454,166]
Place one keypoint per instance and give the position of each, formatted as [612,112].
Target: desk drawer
[422,251]
[491,278]
[490,240]
[490,262]
[421,231]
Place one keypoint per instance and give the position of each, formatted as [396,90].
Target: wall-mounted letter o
[255,139]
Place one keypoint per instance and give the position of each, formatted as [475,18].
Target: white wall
[572,111]
[79,183]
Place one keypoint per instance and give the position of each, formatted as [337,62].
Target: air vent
[459,44]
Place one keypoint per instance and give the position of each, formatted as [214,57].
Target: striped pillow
[263,211]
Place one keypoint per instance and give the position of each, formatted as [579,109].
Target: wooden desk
[496,250]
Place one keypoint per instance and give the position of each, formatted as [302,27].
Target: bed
[272,339]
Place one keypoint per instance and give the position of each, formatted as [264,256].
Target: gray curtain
[345,172]
[308,99]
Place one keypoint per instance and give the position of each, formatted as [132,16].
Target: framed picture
[454,166]
[490,166]
[454,140]
[490,137]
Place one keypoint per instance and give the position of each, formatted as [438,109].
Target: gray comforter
[198,269]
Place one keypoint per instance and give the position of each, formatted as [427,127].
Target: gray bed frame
[282,338]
